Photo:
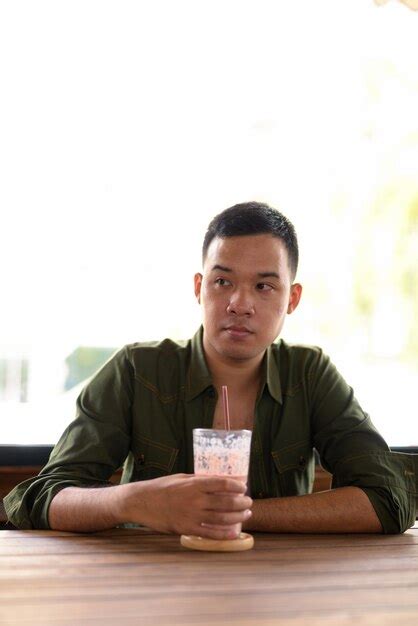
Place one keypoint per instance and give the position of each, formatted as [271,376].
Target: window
[125,128]
[13,379]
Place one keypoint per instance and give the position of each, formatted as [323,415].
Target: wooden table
[127,577]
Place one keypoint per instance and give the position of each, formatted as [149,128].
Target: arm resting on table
[343,510]
[180,503]
[85,510]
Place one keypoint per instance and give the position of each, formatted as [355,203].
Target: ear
[197,285]
[294,298]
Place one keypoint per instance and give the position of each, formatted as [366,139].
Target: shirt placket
[257,476]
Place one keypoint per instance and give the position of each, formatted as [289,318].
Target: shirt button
[302,461]
[141,459]
[211,392]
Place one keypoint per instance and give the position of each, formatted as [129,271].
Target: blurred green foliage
[84,362]
[386,267]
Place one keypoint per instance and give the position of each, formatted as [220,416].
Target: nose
[240,303]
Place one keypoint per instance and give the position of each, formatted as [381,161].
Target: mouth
[238,331]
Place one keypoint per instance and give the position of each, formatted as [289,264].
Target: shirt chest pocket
[295,467]
[153,459]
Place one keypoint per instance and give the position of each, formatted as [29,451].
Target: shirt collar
[199,377]
[271,373]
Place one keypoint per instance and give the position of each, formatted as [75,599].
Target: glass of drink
[221,453]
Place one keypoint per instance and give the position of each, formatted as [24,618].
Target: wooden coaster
[243,542]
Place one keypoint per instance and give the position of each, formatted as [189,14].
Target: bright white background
[125,126]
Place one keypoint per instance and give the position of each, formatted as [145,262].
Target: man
[142,406]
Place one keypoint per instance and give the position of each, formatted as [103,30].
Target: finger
[234,527]
[220,502]
[219,484]
[227,519]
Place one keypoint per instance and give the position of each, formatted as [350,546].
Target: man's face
[245,292]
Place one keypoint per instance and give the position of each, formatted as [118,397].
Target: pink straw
[226,407]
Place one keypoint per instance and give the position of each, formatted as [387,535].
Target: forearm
[343,510]
[210,506]
[87,509]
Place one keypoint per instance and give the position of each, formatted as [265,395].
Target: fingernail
[248,513]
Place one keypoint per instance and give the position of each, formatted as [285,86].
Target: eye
[264,287]
[222,282]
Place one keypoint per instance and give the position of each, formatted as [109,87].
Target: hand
[186,504]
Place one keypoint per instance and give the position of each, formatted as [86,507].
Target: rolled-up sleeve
[353,451]
[89,451]
[388,479]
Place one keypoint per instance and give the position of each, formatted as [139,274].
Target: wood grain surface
[127,577]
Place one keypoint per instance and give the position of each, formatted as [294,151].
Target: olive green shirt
[141,407]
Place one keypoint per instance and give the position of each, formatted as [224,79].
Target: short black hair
[254,218]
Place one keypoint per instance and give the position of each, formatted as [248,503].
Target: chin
[240,353]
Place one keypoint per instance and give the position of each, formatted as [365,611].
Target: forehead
[261,253]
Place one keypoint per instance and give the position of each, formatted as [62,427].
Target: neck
[237,375]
